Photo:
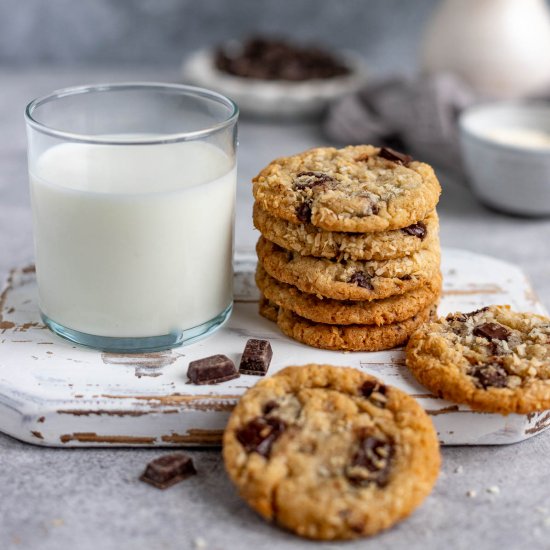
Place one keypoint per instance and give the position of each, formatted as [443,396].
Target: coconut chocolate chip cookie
[308,240]
[493,359]
[341,312]
[351,337]
[357,188]
[350,280]
[330,452]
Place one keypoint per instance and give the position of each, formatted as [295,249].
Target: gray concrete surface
[153,32]
[55,499]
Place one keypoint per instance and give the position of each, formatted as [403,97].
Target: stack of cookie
[349,254]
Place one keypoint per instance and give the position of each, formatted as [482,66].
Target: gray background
[58,499]
[160,32]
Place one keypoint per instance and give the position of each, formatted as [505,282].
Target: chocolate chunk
[492,331]
[303,212]
[312,179]
[256,357]
[270,406]
[463,316]
[395,156]
[360,278]
[375,392]
[492,375]
[476,311]
[371,462]
[268,58]
[212,370]
[416,230]
[406,277]
[167,470]
[260,433]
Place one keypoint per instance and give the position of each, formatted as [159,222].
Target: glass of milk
[133,199]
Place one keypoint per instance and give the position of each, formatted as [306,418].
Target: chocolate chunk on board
[167,470]
[256,357]
[212,370]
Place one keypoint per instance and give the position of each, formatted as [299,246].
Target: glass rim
[160,86]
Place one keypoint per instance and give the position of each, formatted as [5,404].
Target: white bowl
[274,98]
[506,152]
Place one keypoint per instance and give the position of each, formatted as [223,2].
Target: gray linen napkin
[417,114]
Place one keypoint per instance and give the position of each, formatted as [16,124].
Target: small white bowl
[506,155]
[274,98]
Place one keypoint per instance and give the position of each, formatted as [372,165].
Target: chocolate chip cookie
[308,240]
[330,452]
[351,337]
[357,188]
[268,309]
[493,359]
[351,280]
[341,312]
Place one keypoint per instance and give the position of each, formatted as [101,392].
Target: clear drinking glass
[133,199]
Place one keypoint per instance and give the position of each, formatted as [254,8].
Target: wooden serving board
[58,394]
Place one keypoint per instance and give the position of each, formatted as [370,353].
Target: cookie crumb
[494,489]
[459,470]
[472,493]
[199,543]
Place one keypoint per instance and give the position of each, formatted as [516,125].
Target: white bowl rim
[512,105]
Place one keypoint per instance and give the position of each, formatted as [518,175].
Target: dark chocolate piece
[275,59]
[492,331]
[260,433]
[416,230]
[360,278]
[375,392]
[463,316]
[167,470]
[212,370]
[371,462]
[270,406]
[489,376]
[395,156]
[303,212]
[309,180]
[256,357]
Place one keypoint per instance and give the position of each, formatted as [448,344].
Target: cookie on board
[493,359]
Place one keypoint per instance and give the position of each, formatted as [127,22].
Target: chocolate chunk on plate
[167,470]
[212,370]
[256,357]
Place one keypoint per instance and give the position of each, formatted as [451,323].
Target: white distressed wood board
[58,394]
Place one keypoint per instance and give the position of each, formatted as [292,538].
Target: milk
[520,137]
[133,240]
